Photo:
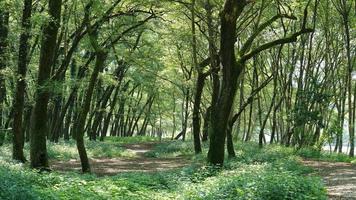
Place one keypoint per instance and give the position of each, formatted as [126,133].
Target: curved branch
[249,100]
[289,39]
[262,27]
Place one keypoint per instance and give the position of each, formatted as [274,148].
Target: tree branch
[249,100]
[289,39]
[262,27]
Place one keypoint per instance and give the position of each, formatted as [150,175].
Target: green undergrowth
[315,154]
[66,150]
[131,140]
[169,149]
[270,173]
[180,148]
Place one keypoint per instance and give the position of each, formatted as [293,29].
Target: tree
[4,31]
[18,133]
[39,118]
[344,10]
[232,69]
[199,86]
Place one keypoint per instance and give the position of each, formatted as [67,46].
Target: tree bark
[230,143]
[4,31]
[196,112]
[345,17]
[199,86]
[39,119]
[206,125]
[100,60]
[230,72]
[18,133]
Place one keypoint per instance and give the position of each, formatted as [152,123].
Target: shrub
[16,184]
[265,183]
[312,153]
[252,181]
[309,153]
[172,149]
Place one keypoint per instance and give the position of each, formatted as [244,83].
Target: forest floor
[339,178]
[141,168]
[111,166]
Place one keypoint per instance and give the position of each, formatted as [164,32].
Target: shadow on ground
[113,166]
[339,178]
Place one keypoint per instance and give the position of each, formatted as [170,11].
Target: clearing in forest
[339,178]
[112,166]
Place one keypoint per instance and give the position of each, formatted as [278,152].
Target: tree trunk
[39,119]
[206,125]
[18,133]
[198,87]
[230,143]
[261,134]
[231,71]
[4,31]
[109,115]
[345,16]
[185,114]
[174,117]
[100,60]
[100,114]
[196,112]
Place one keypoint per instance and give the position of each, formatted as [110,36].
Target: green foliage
[273,172]
[25,184]
[312,153]
[68,150]
[250,152]
[172,149]
[263,182]
[110,148]
[16,184]
[131,140]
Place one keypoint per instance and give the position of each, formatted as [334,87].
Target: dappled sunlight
[339,178]
[137,163]
[177,99]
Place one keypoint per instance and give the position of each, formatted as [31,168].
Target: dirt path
[113,166]
[339,178]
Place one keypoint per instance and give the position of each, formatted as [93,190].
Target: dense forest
[246,97]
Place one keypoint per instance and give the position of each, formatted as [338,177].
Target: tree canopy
[213,71]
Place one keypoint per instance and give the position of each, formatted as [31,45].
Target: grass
[171,149]
[67,150]
[273,172]
[315,154]
[131,140]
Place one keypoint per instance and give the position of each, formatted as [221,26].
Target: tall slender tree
[18,133]
[39,118]
[4,32]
